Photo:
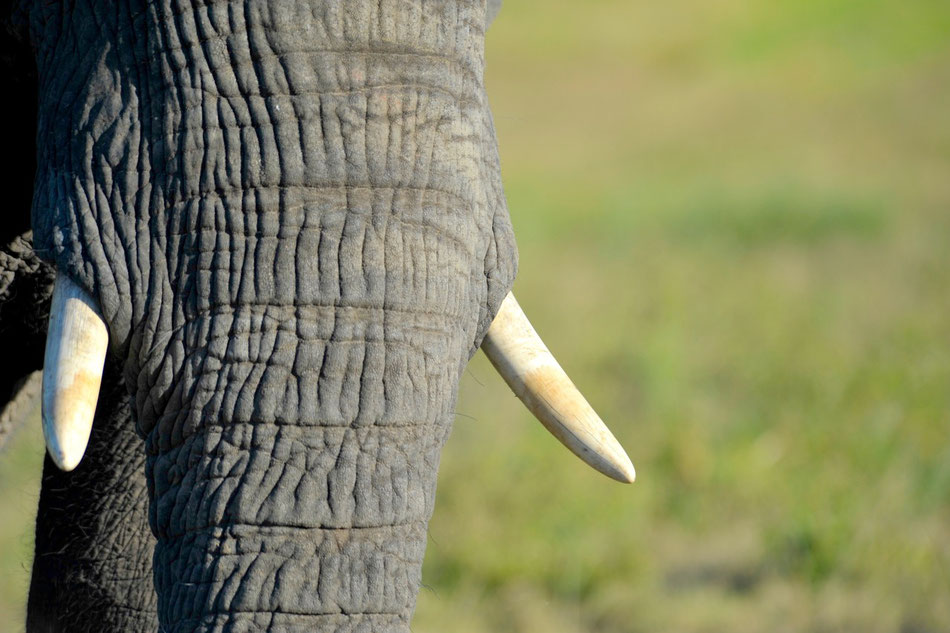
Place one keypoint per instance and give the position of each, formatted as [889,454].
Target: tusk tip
[608,457]
[66,455]
[623,471]
[65,463]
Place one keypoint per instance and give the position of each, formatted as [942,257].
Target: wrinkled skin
[291,216]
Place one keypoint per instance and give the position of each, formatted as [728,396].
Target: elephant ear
[494,6]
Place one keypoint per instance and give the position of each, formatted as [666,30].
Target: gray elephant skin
[291,216]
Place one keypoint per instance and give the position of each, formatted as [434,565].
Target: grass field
[734,232]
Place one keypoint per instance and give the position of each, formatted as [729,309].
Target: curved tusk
[532,372]
[76,345]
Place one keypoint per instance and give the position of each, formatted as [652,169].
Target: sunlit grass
[20,466]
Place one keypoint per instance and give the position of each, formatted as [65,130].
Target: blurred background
[734,233]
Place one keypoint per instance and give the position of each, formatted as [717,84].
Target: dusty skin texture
[292,217]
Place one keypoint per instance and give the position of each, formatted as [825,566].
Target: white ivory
[532,372]
[76,346]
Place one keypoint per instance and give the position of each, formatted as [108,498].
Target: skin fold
[292,219]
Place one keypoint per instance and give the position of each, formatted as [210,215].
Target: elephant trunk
[296,497]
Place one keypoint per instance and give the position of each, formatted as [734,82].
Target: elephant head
[285,222]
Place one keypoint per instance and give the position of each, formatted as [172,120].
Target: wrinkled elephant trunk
[297,497]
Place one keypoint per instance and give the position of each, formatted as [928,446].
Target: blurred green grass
[733,226]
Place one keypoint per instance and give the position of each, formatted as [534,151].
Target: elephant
[276,234]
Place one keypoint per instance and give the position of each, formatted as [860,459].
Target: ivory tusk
[529,368]
[76,346]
